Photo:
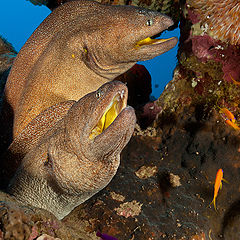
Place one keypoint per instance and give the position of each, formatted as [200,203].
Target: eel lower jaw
[118,103]
[151,41]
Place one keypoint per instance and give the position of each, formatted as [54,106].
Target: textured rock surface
[7,55]
[168,7]
[25,222]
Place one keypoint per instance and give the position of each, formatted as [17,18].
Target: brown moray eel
[77,48]
[79,155]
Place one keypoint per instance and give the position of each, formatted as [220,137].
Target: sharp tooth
[122,94]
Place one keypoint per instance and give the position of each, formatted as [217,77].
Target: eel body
[77,48]
[78,155]
[70,120]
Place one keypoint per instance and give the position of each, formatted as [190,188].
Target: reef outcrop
[169,168]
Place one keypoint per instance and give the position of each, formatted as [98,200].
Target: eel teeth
[122,93]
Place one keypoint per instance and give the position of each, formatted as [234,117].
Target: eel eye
[141,11]
[149,22]
[99,93]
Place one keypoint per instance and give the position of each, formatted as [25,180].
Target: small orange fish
[218,184]
[232,124]
[228,114]
[234,81]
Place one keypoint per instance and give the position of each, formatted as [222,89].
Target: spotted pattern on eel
[77,48]
[79,155]
[65,150]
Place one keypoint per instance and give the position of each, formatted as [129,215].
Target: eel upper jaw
[151,40]
[113,108]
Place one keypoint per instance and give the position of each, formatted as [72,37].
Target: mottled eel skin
[77,48]
[79,155]
[69,149]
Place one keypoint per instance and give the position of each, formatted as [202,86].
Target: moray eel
[77,48]
[78,155]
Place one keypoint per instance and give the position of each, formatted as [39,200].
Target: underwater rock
[192,142]
[231,222]
[7,55]
[168,7]
[39,2]
[25,222]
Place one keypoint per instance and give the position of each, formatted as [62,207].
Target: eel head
[116,37]
[79,155]
[105,122]
[129,36]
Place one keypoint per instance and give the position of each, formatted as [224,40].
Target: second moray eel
[68,161]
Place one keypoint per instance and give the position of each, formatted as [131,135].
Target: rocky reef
[165,182]
[168,7]
[7,55]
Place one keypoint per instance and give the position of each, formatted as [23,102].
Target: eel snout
[149,44]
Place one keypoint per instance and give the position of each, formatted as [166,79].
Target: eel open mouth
[150,41]
[117,104]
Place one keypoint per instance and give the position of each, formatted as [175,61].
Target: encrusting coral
[16,224]
[220,19]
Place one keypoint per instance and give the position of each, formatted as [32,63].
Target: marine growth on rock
[219,18]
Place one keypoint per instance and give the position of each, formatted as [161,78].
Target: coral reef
[146,172]
[206,61]
[129,209]
[17,225]
[27,223]
[172,172]
[219,19]
[47,237]
[168,7]
[210,33]
[165,181]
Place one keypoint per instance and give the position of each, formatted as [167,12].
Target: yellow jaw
[108,117]
[149,41]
